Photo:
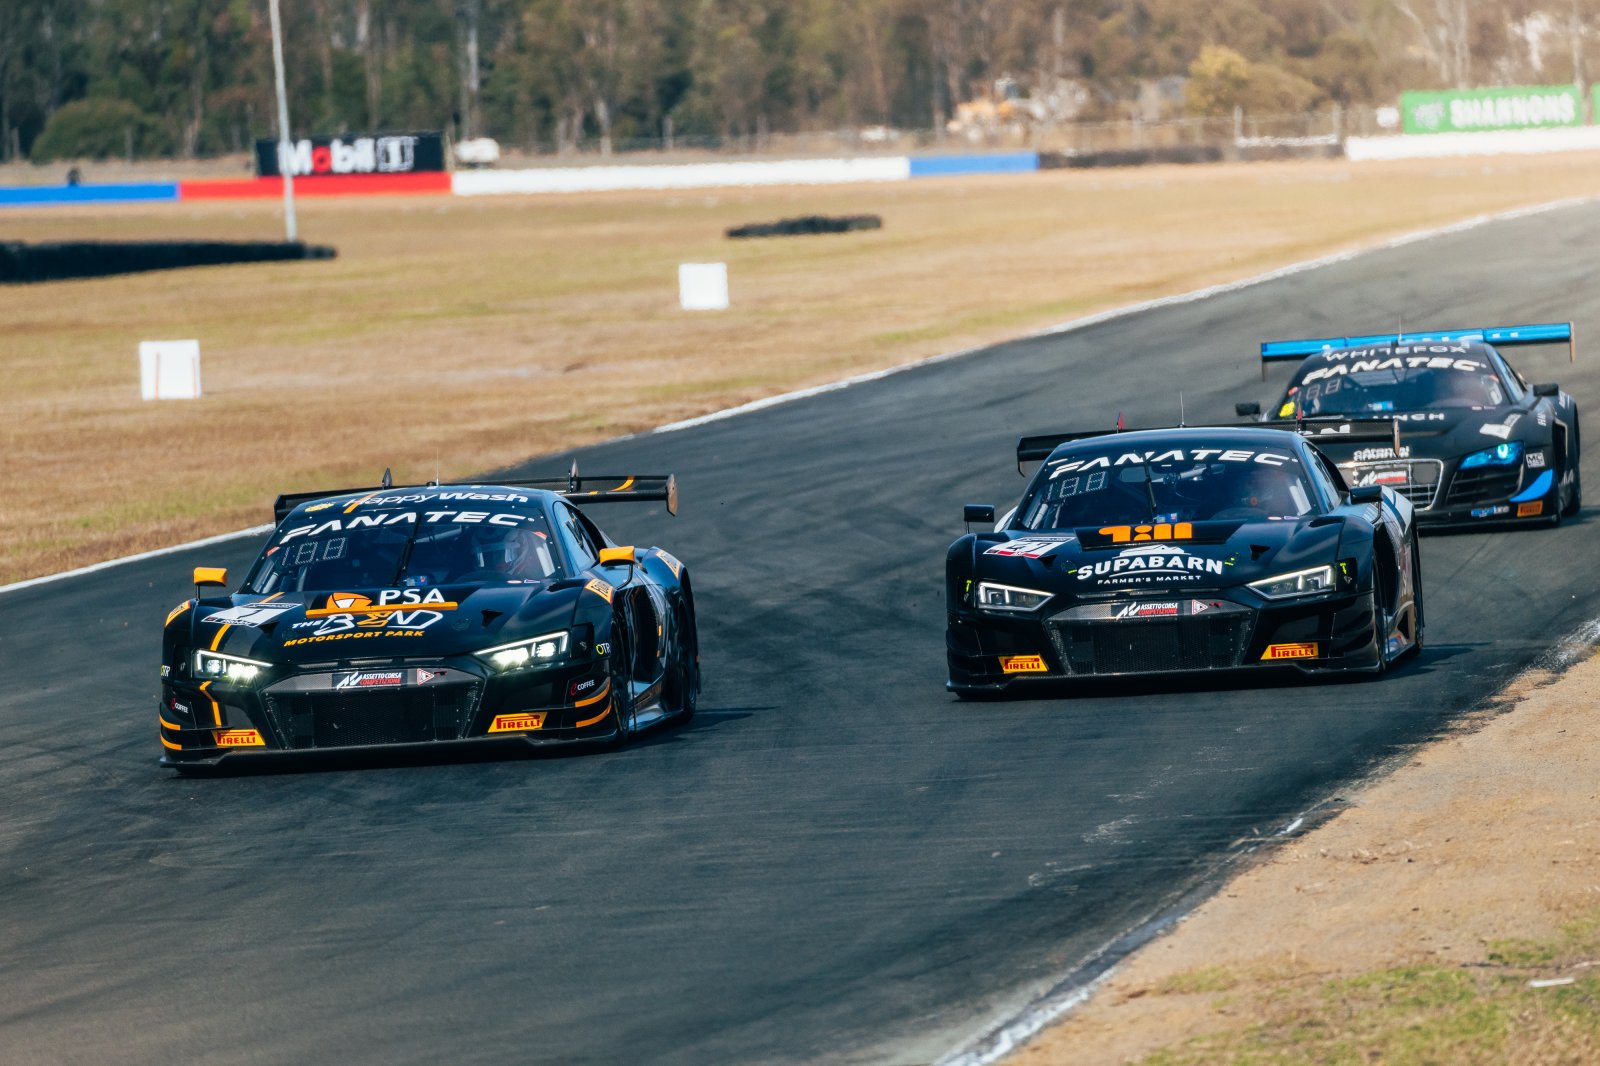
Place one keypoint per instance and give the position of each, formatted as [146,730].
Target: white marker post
[169,370]
[285,150]
[703,286]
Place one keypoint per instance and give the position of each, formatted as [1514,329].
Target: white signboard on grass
[703,286]
[169,370]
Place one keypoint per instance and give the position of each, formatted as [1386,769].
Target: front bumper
[1445,495]
[389,704]
[1089,640]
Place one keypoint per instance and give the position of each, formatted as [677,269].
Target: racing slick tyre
[683,676]
[1575,458]
[621,680]
[1419,620]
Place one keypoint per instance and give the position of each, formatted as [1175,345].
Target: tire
[1421,620]
[1576,459]
[620,674]
[683,676]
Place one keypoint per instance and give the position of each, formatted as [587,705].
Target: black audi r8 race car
[1477,443]
[433,615]
[1182,550]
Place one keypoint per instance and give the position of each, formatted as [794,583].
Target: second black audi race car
[1477,444]
[433,615]
[1180,550]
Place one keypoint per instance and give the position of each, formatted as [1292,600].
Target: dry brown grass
[478,332]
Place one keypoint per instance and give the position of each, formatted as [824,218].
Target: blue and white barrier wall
[712,175]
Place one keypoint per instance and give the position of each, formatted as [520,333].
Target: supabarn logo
[1155,564]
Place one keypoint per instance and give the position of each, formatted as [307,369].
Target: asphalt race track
[837,862]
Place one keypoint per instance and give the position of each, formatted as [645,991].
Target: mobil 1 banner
[1525,107]
[354,153]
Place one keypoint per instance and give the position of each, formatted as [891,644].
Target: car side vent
[490,616]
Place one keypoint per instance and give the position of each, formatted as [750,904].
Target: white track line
[1065,327]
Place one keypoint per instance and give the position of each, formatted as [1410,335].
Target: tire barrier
[1133,157]
[63,260]
[806,225]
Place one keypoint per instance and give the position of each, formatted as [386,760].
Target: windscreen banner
[1525,107]
[354,153]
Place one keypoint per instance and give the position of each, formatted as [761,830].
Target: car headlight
[1300,583]
[992,597]
[215,666]
[534,651]
[1500,455]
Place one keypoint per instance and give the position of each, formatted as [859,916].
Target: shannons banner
[1522,107]
[354,153]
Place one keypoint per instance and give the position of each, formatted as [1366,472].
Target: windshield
[394,548]
[1123,487]
[1375,382]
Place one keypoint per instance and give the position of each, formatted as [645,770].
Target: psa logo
[598,587]
[1289,651]
[1157,531]
[1023,664]
[388,600]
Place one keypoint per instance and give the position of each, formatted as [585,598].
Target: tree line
[99,78]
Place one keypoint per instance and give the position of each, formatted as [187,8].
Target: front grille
[1482,484]
[354,719]
[1131,647]
[1421,484]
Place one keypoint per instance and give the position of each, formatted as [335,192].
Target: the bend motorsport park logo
[1517,107]
[353,153]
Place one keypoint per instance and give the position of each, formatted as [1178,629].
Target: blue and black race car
[1182,550]
[432,615]
[1477,443]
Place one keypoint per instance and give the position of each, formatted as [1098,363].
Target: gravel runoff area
[1449,913]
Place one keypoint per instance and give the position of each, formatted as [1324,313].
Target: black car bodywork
[1142,574]
[1477,444]
[433,615]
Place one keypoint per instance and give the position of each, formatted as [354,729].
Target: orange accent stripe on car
[170,746]
[168,725]
[592,721]
[596,698]
[625,486]
[359,502]
[216,708]
[216,642]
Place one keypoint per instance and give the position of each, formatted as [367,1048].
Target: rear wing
[1350,430]
[605,488]
[1500,336]
[1032,449]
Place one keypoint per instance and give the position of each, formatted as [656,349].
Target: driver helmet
[1261,488]
[507,549]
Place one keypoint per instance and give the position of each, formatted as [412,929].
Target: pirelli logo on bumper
[517,723]
[1528,510]
[239,738]
[1289,651]
[1023,664]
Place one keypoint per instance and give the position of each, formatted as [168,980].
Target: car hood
[362,623]
[1200,555]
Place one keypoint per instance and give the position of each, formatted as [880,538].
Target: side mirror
[209,577]
[977,512]
[1549,388]
[617,556]
[1247,410]
[1367,494]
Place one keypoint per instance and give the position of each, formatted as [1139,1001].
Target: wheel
[1419,623]
[683,676]
[1576,459]
[620,678]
